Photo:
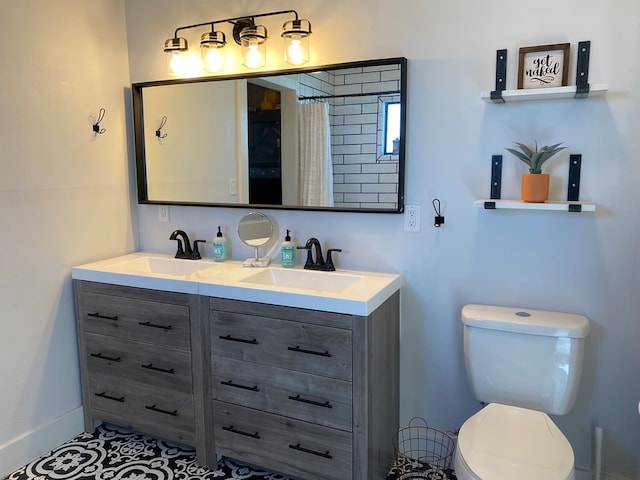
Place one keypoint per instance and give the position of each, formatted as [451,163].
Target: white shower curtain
[316,168]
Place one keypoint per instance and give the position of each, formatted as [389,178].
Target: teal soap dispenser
[288,252]
[219,247]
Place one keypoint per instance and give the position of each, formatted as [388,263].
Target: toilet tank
[524,357]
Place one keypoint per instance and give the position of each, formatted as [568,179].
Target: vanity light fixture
[296,41]
[252,38]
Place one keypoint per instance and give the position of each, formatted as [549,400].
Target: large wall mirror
[327,138]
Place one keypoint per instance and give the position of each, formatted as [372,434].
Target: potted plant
[535,184]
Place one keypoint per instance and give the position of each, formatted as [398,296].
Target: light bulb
[176,63]
[186,64]
[214,60]
[295,52]
[254,51]
[212,49]
[253,57]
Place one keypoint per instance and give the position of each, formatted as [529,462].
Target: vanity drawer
[139,362]
[299,448]
[316,399]
[147,321]
[154,410]
[316,349]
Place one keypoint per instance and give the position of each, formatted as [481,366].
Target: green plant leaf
[526,150]
[525,158]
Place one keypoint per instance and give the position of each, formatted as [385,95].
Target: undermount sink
[164,266]
[303,279]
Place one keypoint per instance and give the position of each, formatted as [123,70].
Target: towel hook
[96,126]
[159,133]
[439,220]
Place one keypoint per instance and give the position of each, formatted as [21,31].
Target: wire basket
[419,443]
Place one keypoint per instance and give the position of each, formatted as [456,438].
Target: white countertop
[355,292]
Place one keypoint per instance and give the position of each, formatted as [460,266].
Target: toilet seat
[505,442]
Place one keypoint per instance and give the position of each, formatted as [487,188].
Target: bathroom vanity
[275,367]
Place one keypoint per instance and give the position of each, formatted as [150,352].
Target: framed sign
[544,66]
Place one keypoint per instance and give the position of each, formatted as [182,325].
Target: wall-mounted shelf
[572,204]
[582,88]
[559,206]
[551,93]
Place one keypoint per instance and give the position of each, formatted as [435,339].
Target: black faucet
[317,262]
[186,252]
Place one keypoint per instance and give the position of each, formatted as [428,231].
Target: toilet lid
[502,441]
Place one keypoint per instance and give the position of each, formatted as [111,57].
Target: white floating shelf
[550,205]
[551,93]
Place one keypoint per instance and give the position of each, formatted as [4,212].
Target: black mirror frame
[141,174]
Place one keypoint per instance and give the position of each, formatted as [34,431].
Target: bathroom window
[391,128]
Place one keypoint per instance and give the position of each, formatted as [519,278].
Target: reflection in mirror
[255,230]
[331,138]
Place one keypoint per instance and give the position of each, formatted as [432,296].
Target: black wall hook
[159,133]
[439,220]
[96,126]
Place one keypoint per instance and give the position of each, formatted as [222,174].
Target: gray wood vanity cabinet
[307,393]
[311,394]
[140,360]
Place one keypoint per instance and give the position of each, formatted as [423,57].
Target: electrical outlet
[412,218]
[163,213]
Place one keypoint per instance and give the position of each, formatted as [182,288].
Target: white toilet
[524,364]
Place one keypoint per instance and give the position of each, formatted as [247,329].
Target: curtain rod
[346,95]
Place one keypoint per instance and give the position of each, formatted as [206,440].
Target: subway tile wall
[363,176]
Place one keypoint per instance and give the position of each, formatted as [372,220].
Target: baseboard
[27,447]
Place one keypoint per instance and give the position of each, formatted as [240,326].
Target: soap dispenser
[220,247]
[288,251]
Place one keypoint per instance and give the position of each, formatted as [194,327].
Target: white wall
[584,263]
[64,200]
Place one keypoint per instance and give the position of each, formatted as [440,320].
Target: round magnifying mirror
[255,230]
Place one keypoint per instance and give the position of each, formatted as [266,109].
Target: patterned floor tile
[112,453]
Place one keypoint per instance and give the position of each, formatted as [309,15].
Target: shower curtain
[316,168]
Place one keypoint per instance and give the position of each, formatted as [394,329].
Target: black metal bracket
[496,176]
[573,189]
[582,70]
[501,76]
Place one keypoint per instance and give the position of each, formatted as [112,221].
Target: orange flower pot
[535,187]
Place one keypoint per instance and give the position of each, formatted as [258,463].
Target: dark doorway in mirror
[265,159]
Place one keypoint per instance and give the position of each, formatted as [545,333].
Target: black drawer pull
[151,366]
[298,398]
[104,317]
[241,340]
[109,397]
[312,452]
[155,325]
[311,352]
[104,357]
[230,383]
[159,410]
[240,432]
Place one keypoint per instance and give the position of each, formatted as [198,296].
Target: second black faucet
[317,262]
